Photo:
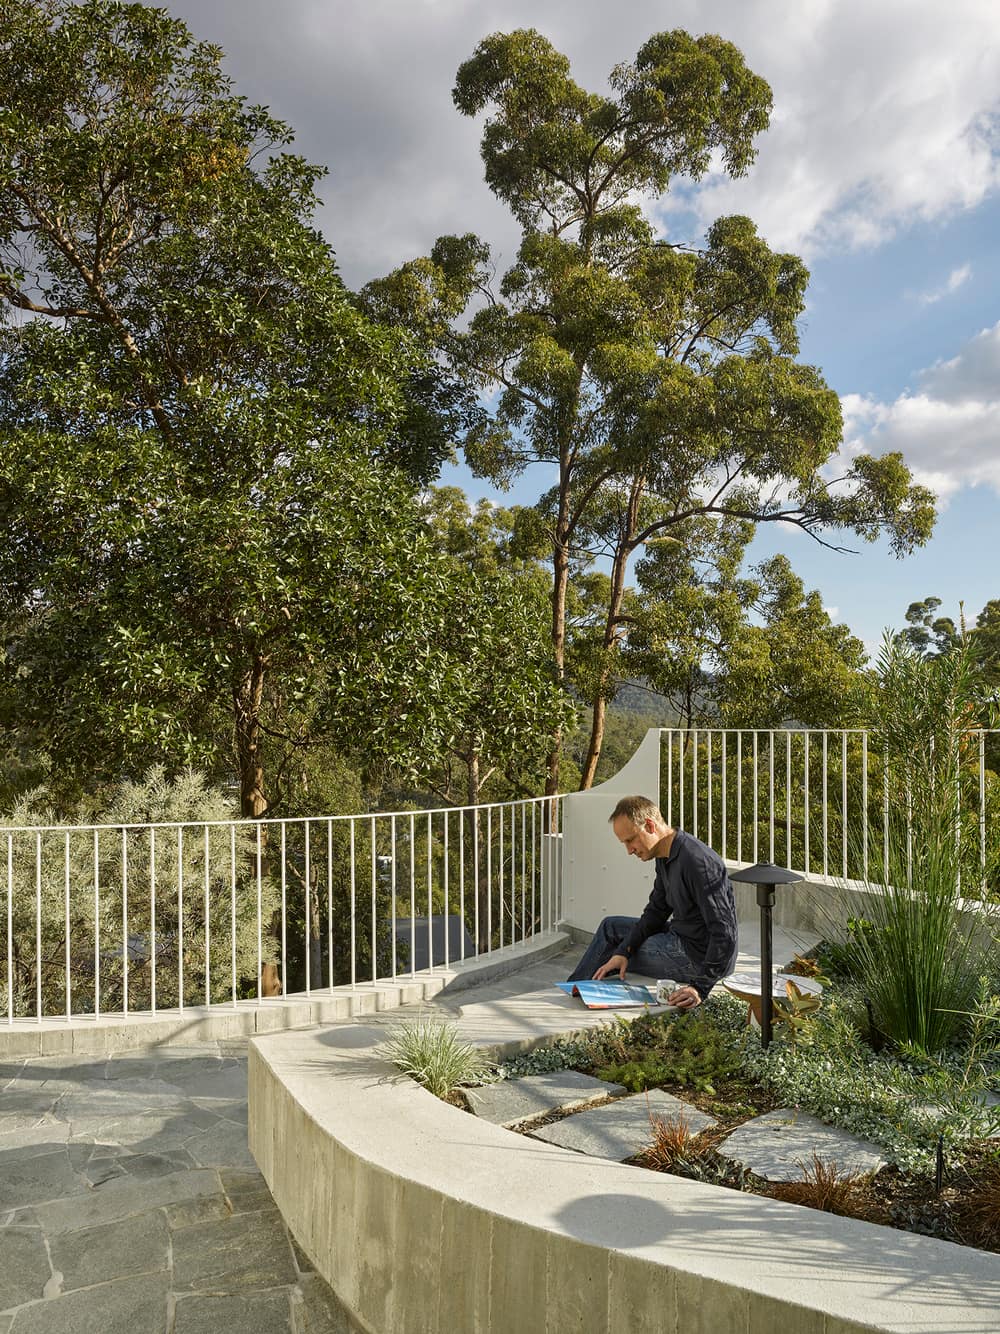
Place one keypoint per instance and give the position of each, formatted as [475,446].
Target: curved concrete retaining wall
[423,1218]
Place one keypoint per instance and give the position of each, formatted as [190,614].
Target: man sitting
[687,930]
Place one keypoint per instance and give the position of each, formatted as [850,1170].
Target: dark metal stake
[765,899]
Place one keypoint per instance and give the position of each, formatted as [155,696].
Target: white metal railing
[811,799]
[120,919]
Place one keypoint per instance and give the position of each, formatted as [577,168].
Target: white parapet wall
[598,878]
[424,1218]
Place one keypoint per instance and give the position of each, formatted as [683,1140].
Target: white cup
[665,988]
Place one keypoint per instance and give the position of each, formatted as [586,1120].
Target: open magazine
[616,995]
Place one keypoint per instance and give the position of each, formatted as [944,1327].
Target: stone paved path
[129,1202]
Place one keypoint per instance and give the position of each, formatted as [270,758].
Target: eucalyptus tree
[210,550]
[629,365]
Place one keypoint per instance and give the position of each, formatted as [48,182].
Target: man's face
[637,840]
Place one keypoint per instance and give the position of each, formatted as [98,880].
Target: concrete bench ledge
[424,1218]
[85,1035]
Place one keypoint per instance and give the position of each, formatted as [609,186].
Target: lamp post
[765,875]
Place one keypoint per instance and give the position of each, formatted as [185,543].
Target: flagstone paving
[516,1100]
[129,1202]
[780,1144]
[622,1128]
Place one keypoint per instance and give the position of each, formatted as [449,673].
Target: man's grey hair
[638,810]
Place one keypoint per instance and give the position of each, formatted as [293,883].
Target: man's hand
[616,964]
[684,998]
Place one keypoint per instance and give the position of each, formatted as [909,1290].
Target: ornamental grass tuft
[434,1055]
[918,954]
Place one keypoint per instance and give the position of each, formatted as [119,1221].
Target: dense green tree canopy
[210,548]
[658,382]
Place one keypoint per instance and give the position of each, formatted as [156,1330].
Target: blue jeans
[659,955]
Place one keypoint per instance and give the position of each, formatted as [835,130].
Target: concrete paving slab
[515,1100]
[778,1144]
[624,1127]
[244,1251]
[125,1307]
[24,1266]
[137,1245]
[250,1313]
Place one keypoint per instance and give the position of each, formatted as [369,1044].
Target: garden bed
[929,1117]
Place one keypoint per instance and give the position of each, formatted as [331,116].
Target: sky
[881,168]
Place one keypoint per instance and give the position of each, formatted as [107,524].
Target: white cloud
[956,279]
[947,428]
[884,113]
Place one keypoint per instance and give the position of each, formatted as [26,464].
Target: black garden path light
[765,875]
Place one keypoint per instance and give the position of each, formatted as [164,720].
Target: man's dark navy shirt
[692,897]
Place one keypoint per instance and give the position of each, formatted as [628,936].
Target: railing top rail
[250,823]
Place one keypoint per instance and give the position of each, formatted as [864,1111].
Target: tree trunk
[623,550]
[560,582]
[247,694]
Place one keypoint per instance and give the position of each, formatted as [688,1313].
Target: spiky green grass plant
[920,958]
[431,1051]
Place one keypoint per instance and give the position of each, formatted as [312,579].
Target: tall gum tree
[208,548]
[633,366]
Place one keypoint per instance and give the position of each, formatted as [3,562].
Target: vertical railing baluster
[771,795]
[413,895]
[501,898]
[374,945]
[864,804]
[982,813]
[843,801]
[682,747]
[68,956]
[208,920]
[710,783]
[284,909]
[38,927]
[392,888]
[756,795]
[739,796]
[124,921]
[826,803]
[152,920]
[259,878]
[670,775]
[725,807]
[461,881]
[330,903]
[307,887]
[446,887]
[180,918]
[885,814]
[524,869]
[534,866]
[788,798]
[489,877]
[354,904]
[694,781]
[475,871]
[10,928]
[232,922]
[430,898]
[805,799]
